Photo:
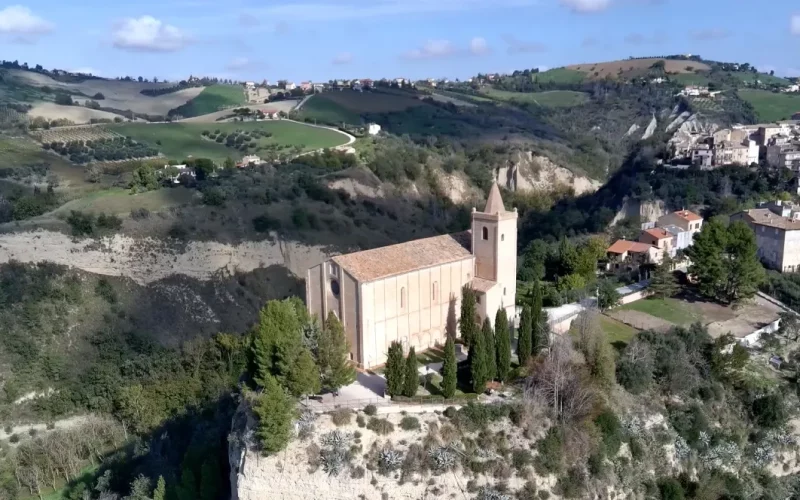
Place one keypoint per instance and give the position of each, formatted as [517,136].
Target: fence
[398,402]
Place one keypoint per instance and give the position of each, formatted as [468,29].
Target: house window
[435,290]
[502,237]
[504,290]
[335,288]
[402,298]
[485,233]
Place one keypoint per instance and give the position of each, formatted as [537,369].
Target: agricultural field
[560,75]
[706,105]
[69,134]
[549,99]
[119,201]
[771,106]
[211,100]
[764,78]
[347,106]
[179,140]
[700,79]
[636,67]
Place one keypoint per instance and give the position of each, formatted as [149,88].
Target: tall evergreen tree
[601,360]
[275,411]
[525,340]
[304,379]
[411,379]
[209,479]
[538,317]
[663,283]
[466,324]
[491,351]
[276,341]
[334,355]
[449,369]
[502,340]
[478,364]
[395,370]
[161,489]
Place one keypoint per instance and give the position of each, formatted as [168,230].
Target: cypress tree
[525,341]
[538,333]
[449,369]
[478,364]
[275,410]
[334,354]
[502,342]
[466,323]
[411,380]
[161,489]
[491,351]
[395,369]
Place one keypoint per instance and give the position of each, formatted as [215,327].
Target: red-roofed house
[684,219]
[631,254]
[659,238]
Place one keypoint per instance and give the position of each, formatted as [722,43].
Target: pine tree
[411,379]
[502,341]
[161,489]
[395,371]
[304,379]
[524,340]
[275,410]
[466,323]
[601,361]
[478,365]
[663,283]
[449,369]
[334,355]
[491,351]
[539,332]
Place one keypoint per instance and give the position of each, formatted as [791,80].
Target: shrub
[573,484]
[8,429]
[360,421]
[380,426]
[609,426]
[341,417]
[14,438]
[521,458]
[82,224]
[106,291]
[140,213]
[670,489]
[32,432]
[409,423]
[551,452]
[111,222]
[51,426]
[544,494]
[371,410]
[450,412]
[637,450]
[266,223]
[214,197]
[357,472]
[769,411]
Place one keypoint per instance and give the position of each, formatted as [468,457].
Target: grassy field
[119,201]
[675,311]
[560,75]
[637,67]
[764,78]
[617,331]
[551,99]
[691,79]
[212,99]
[347,105]
[770,106]
[179,140]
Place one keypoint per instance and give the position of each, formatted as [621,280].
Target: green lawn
[560,75]
[213,99]
[617,331]
[691,79]
[550,99]
[324,110]
[770,106]
[672,310]
[764,78]
[119,201]
[179,140]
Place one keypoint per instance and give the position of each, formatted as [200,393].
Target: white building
[182,170]
[777,230]
[373,129]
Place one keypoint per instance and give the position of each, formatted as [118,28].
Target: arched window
[402,298]
[485,232]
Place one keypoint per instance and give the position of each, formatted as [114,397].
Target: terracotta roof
[688,215]
[494,204]
[766,217]
[658,233]
[393,260]
[622,246]
[482,285]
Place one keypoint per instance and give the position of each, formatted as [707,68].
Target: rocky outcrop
[651,128]
[647,211]
[632,130]
[530,172]
[148,260]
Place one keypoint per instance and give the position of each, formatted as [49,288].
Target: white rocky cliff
[531,172]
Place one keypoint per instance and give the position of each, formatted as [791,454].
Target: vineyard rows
[70,134]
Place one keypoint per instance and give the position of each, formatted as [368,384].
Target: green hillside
[771,106]
[179,140]
[211,99]
[548,99]
[560,75]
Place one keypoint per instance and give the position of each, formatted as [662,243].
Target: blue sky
[325,39]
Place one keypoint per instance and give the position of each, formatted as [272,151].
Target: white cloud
[478,46]
[517,46]
[431,50]
[335,10]
[148,34]
[795,24]
[586,6]
[342,58]
[21,22]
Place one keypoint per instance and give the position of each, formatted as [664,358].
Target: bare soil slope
[632,67]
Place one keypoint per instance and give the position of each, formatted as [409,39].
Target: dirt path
[24,430]
[640,320]
[148,260]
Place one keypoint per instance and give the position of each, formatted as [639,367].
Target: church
[411,292]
